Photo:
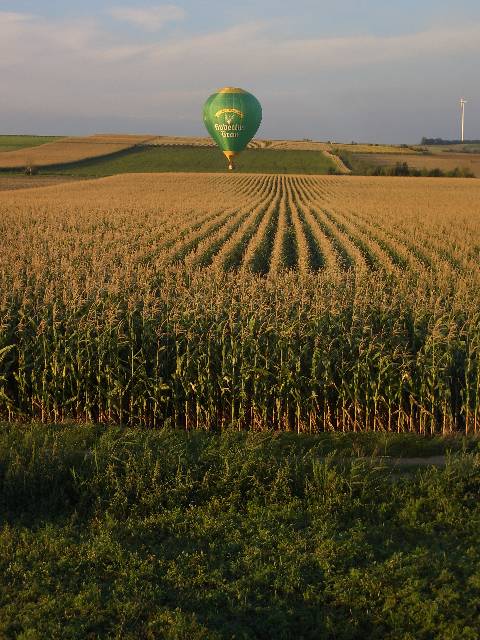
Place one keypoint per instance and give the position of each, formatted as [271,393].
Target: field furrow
[366,247]
[321,250]
[324,189]
[259,248]
[212,246]
[189,239]
[306,251]
[349,255]
[202,254]
[402,253]
[282,248]
[232,253]
[375,254]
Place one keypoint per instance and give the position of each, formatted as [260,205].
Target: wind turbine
[463,102]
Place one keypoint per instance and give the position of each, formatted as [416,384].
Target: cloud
[149,18]
[82,69]
[11,17]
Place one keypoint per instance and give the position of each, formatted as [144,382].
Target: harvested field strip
[13,182]
[69,150]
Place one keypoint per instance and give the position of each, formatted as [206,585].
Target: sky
[362,70]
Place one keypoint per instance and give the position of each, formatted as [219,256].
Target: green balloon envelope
[232,117]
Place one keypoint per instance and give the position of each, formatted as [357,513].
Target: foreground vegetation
[255,302]
[109,533]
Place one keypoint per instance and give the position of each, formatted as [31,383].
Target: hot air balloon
[232,117]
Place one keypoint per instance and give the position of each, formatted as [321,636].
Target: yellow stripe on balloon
[231,90]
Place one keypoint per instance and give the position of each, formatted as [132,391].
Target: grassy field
[109,533]
[454,148]
[198,159]
[303,303]
[68,150]
[15,142]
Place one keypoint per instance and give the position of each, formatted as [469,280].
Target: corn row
[257,254]
[303,250]
[278,258]
[321,247]
[232,252]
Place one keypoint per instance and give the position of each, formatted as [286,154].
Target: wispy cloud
[10,17]
[149,18]
[82,67]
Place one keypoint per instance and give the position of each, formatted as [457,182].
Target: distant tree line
[441,141]
[361,167]
[403,169]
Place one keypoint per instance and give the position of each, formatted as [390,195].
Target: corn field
[207,301]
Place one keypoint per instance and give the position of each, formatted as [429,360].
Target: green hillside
[198,159]
[15,142]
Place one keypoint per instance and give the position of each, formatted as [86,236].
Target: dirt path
[338,162]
